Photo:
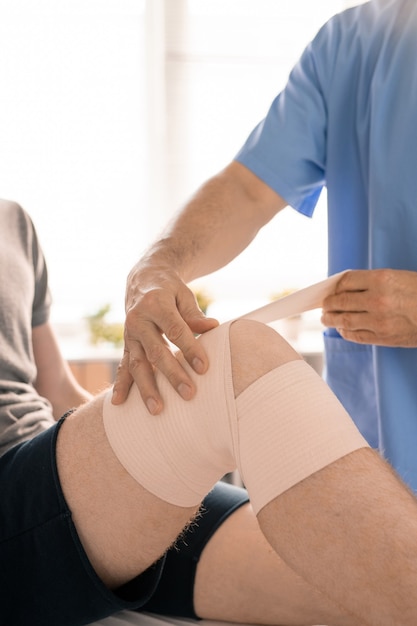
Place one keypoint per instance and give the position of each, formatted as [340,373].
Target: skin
[342,568]
[225,587]
[375,307]
[226,213]
[54,378]
[213,228]
[282,595]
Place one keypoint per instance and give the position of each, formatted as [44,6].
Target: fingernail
[152,405]
[184,391]
[198,365]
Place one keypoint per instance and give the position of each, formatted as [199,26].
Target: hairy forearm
[218,222]
[214,226]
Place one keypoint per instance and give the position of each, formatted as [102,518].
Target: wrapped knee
[285,426]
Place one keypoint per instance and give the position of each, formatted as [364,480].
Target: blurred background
[114,111]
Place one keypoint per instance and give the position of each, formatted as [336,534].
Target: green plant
[203,299]
[102,331]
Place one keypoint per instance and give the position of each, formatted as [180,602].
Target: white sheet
[130,618]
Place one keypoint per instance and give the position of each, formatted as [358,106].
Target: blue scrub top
[347,120]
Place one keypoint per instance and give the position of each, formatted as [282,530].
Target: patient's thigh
[123,528]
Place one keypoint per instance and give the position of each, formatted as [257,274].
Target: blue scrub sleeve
[287,150]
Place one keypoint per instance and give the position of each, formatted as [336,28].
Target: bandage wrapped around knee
[281,429]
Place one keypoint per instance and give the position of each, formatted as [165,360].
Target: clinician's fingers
[123,380]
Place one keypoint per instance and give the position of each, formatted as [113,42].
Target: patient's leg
[350,529]
[125,526]
[240,578]
[282,428]
[124,529]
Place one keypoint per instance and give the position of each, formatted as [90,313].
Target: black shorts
[46,578]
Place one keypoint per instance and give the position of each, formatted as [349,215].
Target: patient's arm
[55,380]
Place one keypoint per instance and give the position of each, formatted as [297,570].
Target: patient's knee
[255,350]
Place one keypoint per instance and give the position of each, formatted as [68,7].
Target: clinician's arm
[376,307]
[55,380]
[218,222]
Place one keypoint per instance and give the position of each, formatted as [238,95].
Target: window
[114,111]
[73,144]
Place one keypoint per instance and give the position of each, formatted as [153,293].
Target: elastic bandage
[281,429]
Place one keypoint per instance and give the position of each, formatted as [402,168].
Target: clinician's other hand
[159,306]
[375,307]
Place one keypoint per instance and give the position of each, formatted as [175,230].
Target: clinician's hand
[375,307]
[159,306]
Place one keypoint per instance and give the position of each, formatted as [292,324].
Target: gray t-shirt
[24,303]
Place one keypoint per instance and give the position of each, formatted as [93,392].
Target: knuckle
[155,353]
[149,305]
[344,282]
[121,368]
[174,331]
[135,363]
[151,299]
[343,321]
[131,321]
[329,319]
[123,365]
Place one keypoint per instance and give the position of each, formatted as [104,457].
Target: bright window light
[112,115]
